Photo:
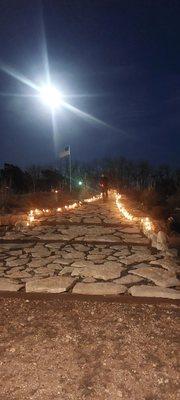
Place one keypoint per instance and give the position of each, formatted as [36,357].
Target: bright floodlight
[50,96]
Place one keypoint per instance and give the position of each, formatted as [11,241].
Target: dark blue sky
[122,56]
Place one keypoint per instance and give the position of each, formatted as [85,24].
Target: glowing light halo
[50,96]
[145,222]
[37,212]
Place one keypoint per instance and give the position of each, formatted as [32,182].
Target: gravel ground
[79,349]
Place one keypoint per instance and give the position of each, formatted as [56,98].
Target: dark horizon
[118,61]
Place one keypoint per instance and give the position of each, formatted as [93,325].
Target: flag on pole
[65,152]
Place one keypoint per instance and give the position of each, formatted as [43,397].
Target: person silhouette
[104,186]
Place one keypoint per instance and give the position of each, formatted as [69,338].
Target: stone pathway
[91,250]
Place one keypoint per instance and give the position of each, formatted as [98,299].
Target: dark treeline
[152,183]
[33,179]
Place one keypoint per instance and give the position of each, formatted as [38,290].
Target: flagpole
[70,188]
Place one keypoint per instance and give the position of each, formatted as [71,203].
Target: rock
[153,238]
[121,254]
[95,257]
[137,258]
[11,259]
[106,271]
[62,261]
[54,266]
[157,275]
[166,263]
[39,248]
[82,264]
[133,230]
[81,247]
[56,284]
[153,291]
[66,270]
[38,262]
[13,246]
[126,280]
[8,285]
[140,249]
[108,239]
[41,253]
[100,251]
[93,220]
[141,265]
[72,255]
[17,262]
[19,274]
[135,240]
[24,256]
[161,241]
[171,252]
[98,288]
[89,280]
[53,246]
[55,236]
[14,269]
[119,247]
[15,252]
[44,271]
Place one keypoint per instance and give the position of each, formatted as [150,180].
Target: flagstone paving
[90,250]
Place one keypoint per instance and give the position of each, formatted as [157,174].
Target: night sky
[117,60]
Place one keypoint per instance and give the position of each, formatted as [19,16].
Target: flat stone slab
[39,262]
[92,220]
[122,254]
[140,249]
[72,255]
[96,238]
[18,262]
[8,285]
[106,271]
[13,246]
[133,230]
[89,280]
[100,250]
[137,258]
[128,279]
[81,247]
[135,240]
[99,288]
[168,264]
[41,253]
[19,274]
[159,276]
[65,271]
[50,285]
[82,264]
[96,257]
[154,291]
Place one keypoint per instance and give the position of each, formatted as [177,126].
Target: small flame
[37,212]
[145,222]
[122,209]
[93,198]
[30,217]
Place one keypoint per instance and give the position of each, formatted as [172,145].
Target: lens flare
[50,96]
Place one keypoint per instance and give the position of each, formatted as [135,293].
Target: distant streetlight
[50,96]
[80,183]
